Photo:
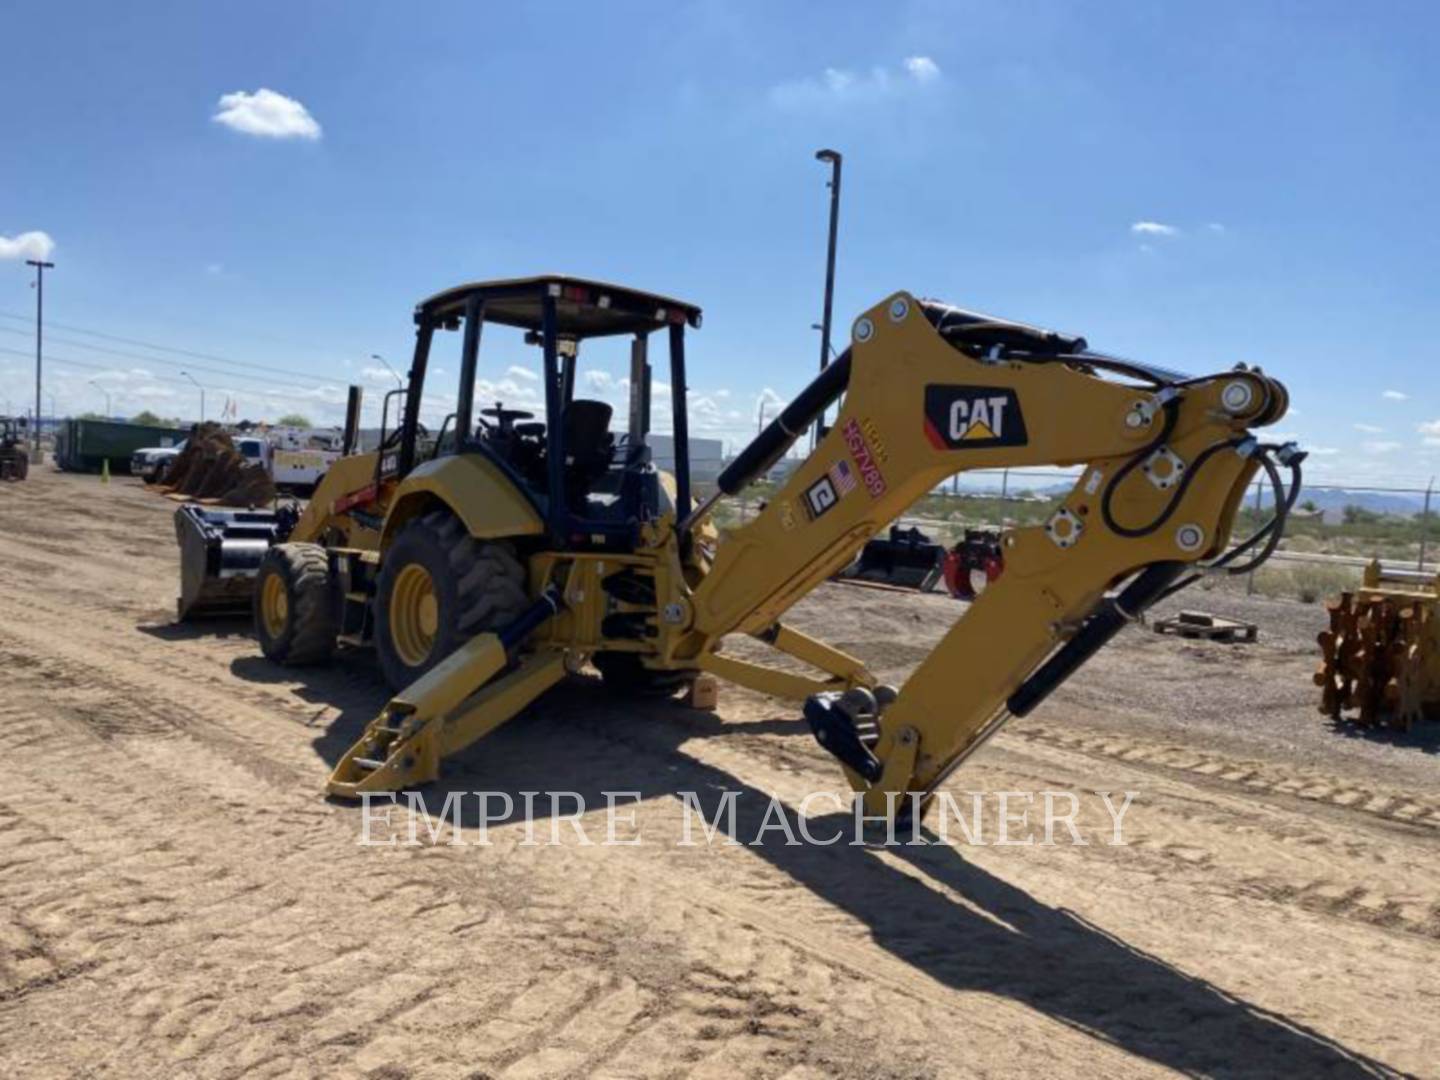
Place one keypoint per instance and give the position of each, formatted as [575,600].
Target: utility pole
[107,396]
[1425,525]
[833,158]
[202,393]
[40,267]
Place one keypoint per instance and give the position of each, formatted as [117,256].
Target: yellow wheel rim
[274,606]
[414,615]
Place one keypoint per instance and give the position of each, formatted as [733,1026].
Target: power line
[280,395]
[151,359]
[190,353]
[232,377]
[155,360]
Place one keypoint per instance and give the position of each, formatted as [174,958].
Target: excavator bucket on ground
[906,558]
[220,551]
[1381,654]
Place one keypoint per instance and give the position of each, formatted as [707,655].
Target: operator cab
[590,478]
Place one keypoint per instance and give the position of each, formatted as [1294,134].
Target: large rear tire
[438,587]
[293,606]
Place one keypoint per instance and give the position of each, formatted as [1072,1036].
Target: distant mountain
[1331,501]
[1379,502]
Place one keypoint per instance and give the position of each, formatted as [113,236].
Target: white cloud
[1214,227]
[922,68]
[379,375]
[596,380]
[27,245]
[1153,228]
[266,114]
[1395,395]
[841,85]
[521,372]
[1368,429]
[1431,432]
[1381,446]
[507,390]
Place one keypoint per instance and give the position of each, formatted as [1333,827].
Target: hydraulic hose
[1113,613]
[771,444]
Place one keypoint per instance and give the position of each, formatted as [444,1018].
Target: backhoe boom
[932,392]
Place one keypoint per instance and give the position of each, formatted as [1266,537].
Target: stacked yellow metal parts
[1381,654]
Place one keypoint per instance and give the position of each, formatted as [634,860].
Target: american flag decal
[843,477]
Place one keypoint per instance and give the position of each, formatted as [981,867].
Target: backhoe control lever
[847,725]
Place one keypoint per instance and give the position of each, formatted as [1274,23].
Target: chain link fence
[1335,530]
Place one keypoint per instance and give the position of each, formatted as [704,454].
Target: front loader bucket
[220,551]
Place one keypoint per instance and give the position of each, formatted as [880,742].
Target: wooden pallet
[1201,624]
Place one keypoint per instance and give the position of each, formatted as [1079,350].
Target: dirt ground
[177,898]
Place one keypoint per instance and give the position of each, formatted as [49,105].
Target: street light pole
[40,267]
[107,397]
[833,158]
[399,382]
[202,393]
[817,327]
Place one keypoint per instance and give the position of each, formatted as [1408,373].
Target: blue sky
[1005,157]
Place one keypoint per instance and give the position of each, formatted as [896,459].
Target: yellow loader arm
[930,391]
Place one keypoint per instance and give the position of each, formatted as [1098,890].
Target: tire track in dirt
[171,862]
[1258,777]
[195,1013]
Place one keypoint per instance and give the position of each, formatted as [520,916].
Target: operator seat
[589,446]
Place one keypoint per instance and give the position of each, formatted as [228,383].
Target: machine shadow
[1424,737]
[211,629]
[349,691]
[1005,942]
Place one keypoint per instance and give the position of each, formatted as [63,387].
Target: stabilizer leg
[448,708]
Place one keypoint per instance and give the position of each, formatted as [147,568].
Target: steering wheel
[507,416]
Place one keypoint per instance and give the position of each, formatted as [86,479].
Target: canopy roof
[583,308]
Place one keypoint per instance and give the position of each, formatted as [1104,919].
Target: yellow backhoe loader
[487,562]
[14,458]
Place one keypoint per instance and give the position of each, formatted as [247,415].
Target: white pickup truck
[152,463]
[292,457]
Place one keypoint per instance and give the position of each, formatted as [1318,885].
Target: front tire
[438,587]
[294,608]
